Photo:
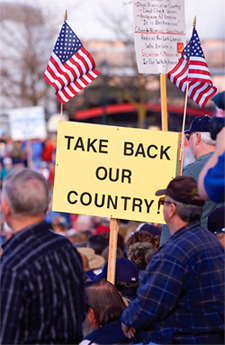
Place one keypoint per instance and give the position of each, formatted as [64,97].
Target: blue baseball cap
[126,271]
[200,124]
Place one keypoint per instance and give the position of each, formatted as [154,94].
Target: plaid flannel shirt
[181,295]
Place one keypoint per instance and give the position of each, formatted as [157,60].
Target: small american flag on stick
[71,67]
[192,68]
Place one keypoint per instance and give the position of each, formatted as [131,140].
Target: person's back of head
[182,191]
[140,236]
[198,135]
[137,253]
[105,302]
[26,192]
[105,253]
[98,243]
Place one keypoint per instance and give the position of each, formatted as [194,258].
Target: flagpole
[181,150]
[163,102]
[61,112]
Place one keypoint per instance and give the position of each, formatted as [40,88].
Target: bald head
[26,192]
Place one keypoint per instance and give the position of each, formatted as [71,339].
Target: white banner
[27,123]
[159,34]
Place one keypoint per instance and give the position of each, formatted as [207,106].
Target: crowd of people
[169,281]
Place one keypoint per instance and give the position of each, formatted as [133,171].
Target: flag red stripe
[82,59]
[76,64]
[89,57]
[59,70]
[179,64]
[77,84]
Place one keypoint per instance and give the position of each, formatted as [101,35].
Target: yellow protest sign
[112,171]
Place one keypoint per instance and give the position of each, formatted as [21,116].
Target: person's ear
[198,137]
[92,318]
[5,209]
[172,210]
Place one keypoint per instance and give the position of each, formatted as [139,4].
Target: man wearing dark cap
[181,296]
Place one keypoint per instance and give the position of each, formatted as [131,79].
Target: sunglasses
[188,136]
[162,201]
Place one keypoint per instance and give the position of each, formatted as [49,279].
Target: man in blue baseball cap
[202,148]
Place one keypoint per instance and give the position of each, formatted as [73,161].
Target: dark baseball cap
[183,189]
[126,271]
[216,221]
[200,124]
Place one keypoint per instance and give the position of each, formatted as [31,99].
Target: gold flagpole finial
[65,16]
[194,22]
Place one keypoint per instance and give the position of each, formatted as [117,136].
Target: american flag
[71,67]
[192,68]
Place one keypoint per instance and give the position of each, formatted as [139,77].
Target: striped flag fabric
[71,67]
[192,68]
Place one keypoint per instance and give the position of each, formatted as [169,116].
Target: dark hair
[140,236]
[98,243]
[105,300]
[122,286]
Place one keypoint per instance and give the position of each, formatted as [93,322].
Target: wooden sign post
[114,229]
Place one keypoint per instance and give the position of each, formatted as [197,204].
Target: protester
[153,230]
[181,296]
[42,287]
[137,253]
[98,243]
[211,182]
[216,224]
[139,244]
[105,308]
[202,147]
[126,278]
[95,262]
[105,253]
[7,167]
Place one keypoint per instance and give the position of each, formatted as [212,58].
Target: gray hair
[26,192]
[187,212]
[206,138]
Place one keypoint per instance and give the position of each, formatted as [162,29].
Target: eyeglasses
[188,136]
[162,202]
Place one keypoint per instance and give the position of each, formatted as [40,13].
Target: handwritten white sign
[159,34]
[27,123]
